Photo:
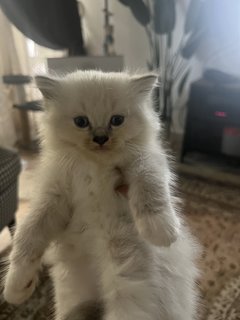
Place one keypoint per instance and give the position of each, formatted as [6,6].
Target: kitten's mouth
[101,148]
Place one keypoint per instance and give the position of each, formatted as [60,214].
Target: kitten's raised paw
[154,229]
[18,296]
[17,290]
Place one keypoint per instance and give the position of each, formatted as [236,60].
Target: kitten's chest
[93,194]
[99,212]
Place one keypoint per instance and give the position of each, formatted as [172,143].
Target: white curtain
[13,60]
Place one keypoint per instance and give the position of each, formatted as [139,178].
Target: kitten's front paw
[158,230]
[19,285]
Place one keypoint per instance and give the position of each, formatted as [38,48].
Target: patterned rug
[213,212]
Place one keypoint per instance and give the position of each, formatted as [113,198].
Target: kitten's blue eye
[81,122]
[117,120]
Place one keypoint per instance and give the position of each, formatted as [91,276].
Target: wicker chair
[10,167]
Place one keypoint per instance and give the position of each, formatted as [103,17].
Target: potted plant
[158,17]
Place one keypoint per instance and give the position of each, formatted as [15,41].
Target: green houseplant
[158,17]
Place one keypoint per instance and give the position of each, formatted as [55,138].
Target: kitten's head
[97,112]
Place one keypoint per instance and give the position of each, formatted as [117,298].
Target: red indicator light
[220,114]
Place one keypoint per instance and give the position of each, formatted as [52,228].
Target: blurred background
[194,46]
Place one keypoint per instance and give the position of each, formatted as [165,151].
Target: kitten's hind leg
[73,286]
[128,290]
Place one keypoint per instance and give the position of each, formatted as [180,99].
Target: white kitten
[99,132]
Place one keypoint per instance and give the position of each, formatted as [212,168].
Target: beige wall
[130,37]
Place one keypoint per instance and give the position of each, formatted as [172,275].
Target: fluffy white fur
[132,256]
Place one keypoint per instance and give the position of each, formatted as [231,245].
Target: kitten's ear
[49,87]
[144,84]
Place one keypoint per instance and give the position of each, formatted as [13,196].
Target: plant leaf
[192,17]
[164,16]
[150,65]
[157,50]
[199,29]
[140,11]
[192,44]
[169,39]
[124,2]
[183,81]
